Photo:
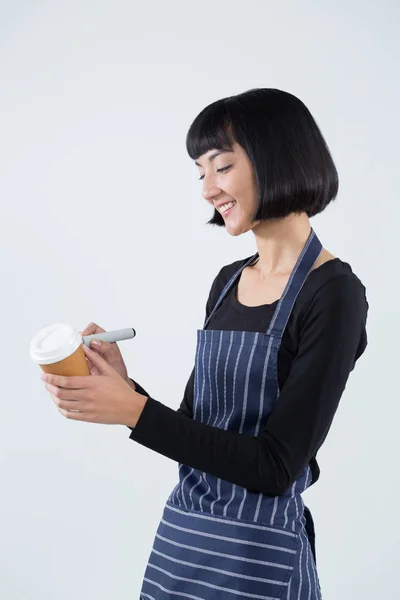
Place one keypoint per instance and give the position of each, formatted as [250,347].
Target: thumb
[99,362]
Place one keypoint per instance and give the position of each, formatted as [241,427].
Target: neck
[280,242]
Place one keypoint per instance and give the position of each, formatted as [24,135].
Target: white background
[102,220]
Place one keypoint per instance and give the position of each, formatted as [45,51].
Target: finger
[66,382]
[75,416]
[70,405]
[98,361]
[61,394]
[91,329]
[86,332]
[90,364]
[93,370]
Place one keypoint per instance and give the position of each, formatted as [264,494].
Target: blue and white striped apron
[217,540]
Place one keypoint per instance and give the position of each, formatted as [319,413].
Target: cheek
[247,204]
[245,191]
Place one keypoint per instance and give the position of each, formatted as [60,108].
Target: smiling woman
[281,162]
[283,330]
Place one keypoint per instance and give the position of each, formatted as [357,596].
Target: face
[229,184]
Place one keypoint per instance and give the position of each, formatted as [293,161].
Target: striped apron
[218,540]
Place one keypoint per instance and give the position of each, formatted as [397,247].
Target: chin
[237,229]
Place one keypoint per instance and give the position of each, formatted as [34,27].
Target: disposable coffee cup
[58,349]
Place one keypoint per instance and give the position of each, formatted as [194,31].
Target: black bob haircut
[293,167]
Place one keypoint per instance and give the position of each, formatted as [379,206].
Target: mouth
[226,209]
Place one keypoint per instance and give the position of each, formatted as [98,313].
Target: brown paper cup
[58,349]
[76,364]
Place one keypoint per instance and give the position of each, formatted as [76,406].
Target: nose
[210,190]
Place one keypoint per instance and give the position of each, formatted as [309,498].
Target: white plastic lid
[54,343]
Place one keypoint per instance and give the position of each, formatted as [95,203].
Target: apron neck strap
[302,268]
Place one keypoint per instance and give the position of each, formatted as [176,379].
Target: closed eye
[222,170]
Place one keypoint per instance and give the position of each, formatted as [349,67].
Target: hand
[103,398]
[109,351]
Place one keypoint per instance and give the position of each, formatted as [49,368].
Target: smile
[226,207]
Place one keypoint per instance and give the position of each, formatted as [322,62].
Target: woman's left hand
[104,398]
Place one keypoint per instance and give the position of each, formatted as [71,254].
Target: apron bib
[217,540]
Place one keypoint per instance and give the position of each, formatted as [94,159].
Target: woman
[283,329]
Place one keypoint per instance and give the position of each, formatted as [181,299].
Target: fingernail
[95,343]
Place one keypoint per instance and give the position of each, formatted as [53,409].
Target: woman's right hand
[109,351]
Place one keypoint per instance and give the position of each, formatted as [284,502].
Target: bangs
[211,130]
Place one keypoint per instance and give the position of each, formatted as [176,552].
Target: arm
[138,388]
[186,406]
[331,340]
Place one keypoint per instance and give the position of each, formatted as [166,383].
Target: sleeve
[332,337]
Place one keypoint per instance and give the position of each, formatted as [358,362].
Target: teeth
[225,207]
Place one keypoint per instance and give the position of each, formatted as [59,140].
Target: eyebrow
[210,158]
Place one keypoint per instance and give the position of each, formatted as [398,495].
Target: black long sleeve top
[324,337]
